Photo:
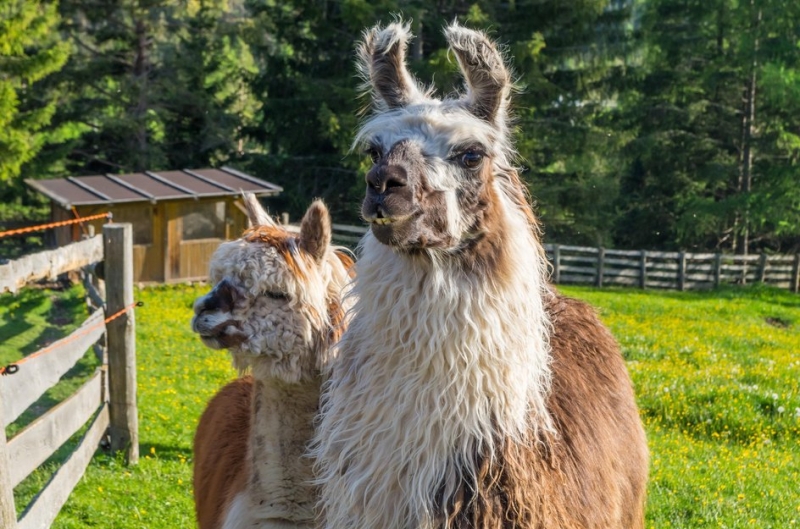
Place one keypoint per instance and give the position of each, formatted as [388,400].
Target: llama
[276,305]
[466,393]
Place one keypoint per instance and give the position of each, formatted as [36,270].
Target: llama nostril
[386,177]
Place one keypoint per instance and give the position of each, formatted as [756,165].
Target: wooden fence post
[643,269]
[118,248]
[762,268]
[682,271]
[601,259]
[8,513]
[556,264]
[717,269]
[795,286]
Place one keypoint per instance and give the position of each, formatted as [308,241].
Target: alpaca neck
[279,472]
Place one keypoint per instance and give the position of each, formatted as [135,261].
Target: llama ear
[487,78]
[382,64]
[255,213]
[315,230]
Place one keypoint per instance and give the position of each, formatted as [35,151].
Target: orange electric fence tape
[10,369]
[54,225]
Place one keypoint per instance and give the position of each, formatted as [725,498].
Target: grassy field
[717,377]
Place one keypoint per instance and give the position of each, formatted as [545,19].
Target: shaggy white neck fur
[438,365]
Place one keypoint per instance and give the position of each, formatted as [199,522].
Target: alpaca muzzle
[213,317]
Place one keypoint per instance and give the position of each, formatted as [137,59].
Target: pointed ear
[487,78]
[315,230]
[382,64]
[255,213]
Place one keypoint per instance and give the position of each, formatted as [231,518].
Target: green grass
[717,377]
[716,374]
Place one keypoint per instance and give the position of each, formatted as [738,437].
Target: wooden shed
[179,217]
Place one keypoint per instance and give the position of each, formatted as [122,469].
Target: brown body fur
[593,475]
[220,451]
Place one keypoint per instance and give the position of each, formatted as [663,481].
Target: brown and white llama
[276,305]
[466,392]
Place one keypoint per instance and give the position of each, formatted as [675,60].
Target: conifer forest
[641,124]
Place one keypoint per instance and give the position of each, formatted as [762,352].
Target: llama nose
[385,177]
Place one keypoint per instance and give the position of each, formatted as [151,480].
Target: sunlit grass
[716,374]
[717,377]
[176,377]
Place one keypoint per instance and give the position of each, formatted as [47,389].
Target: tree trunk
[741,242]
[141,70]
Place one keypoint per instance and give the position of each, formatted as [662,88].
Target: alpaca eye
[277,295]
[471,159]
[374,154]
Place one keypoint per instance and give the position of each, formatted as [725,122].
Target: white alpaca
[466,392]
[276,305]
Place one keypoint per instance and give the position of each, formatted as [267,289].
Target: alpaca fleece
[277,306]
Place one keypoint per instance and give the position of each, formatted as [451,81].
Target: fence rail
[650,269]
[671,270]
[112,412]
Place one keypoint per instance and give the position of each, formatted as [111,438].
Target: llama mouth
[386,221]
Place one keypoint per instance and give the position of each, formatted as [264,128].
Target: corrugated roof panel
[150,185]
[112,189]
[70,192]
[233,181]
[189,182]
[134,187]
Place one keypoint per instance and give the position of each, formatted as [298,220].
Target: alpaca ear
[255,213]
[487,78]
[315,230]
[382,63]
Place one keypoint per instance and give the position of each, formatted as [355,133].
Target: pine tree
[30,50]
[712,158]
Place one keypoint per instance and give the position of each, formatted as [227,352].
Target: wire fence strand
[43,227]
[12,368]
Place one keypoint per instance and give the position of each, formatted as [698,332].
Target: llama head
[276,300]
[440,167]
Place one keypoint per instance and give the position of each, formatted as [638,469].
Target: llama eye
[471,159]
[374,154]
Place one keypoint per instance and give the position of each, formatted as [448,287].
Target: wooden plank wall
[195,257]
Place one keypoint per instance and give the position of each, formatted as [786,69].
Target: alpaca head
[439,166]
[276,301]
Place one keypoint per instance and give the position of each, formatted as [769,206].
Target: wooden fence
[650,269]
[107,401]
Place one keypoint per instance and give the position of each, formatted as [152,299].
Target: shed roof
[151,186]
